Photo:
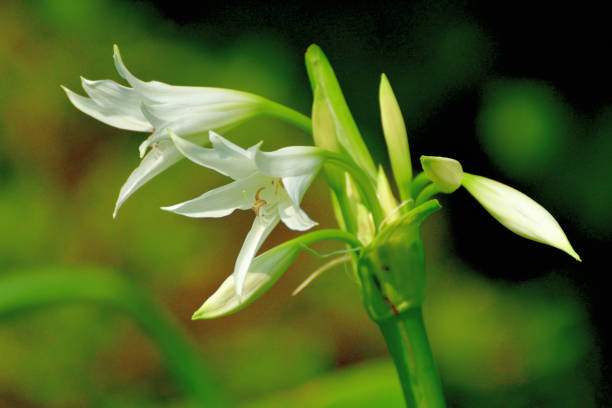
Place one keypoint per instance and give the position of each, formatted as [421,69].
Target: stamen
[258,201]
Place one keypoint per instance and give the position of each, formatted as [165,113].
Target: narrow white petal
[117,97]
[517,212]
[290,161]
[190,122]
[108,114]
[156,161]
[264,271]
[159,92]
[124,72]
[262,226]
[232,162]
[219,202]
[296,186]
[294,217]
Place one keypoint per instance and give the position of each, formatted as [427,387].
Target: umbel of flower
[154,107]
[271,198]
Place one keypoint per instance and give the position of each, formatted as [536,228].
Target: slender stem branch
[289,115]
[407,341]
[418,183]
[327,234]
[426,194]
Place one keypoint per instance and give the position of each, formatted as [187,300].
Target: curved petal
[192,121]
[217,203]
[108,114]
[296,186]
[290,161]
[294,217]
[159,92]
[156,161]
[225,157]
[122,99]
[262,227]
[517,212]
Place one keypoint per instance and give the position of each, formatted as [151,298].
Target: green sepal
[392,267]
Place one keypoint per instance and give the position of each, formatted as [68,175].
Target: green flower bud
[445,173]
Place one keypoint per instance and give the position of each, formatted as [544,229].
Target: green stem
[426,194]
[289,115]
[407,341]
[418,183]
[327,234]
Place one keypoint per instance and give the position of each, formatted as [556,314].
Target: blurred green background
[511,94]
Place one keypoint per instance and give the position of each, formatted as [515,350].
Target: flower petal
[190,120]
[296,186]
[225,157]
[262,227]
[219,202]
[156,161]
[159,92]
[294,217]
[517,212]
[110,115]
[264,271]
[290,161]
[122,99]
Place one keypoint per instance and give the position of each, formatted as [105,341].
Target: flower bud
[445,173]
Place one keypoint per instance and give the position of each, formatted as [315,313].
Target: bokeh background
[520,93]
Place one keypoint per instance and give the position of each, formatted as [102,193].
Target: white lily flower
[517,212]
[272,198]
[155,107]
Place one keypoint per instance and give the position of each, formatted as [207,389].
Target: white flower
[154,107]
[271,198]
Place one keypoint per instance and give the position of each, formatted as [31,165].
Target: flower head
[271,198]
[154,107]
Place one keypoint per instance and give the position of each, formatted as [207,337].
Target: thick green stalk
[407,341]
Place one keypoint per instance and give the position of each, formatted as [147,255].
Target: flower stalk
[407,341]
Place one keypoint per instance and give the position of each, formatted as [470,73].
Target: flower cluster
[182,119]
